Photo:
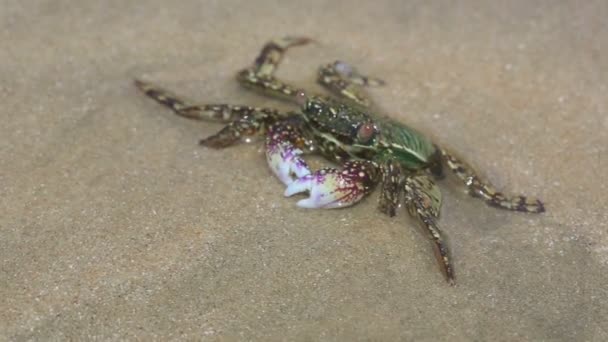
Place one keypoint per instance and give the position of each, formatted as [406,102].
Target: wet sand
[116,225]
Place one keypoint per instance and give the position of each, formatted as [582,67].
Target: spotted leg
[423,201]
[242,121]
[392,181]
[209,112]
[260,76]
[254,123]
[345,81]
[485,190]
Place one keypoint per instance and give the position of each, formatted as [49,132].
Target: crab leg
[254,122]
[260,76]
[344,80]
[243,120]
[423,201]
[209,112]
[485,190]
[391,187]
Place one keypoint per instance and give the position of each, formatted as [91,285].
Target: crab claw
[285,162]
[332,188]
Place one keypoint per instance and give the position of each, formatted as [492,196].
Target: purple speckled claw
[285,162]
[332,188]
[283,156]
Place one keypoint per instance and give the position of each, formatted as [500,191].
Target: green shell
[412,149]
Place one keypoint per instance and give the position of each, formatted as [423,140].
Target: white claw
[327,189]
[307,203]
[285,162]
[299,185]
[301,169]
[283,173]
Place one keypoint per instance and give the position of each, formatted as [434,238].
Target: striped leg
[423,201]
[210,112]
[390,196]
[243,120]
[487,192]
[260,76]
[344,80]
[255,122]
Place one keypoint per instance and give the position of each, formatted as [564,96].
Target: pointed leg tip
[204,142]
[449,276]
[212,143]
[304,40]
[298,40]
[141,85]
[541,207]
[534,206]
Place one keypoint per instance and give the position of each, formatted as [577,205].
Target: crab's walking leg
[260,76]
[391,187]
[486,191]
[254,122]
[344,80]
[208,112]
[243,120]
[336,188]
[423,201]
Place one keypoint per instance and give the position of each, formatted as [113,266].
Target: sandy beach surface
[116,225]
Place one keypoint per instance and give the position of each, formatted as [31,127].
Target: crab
[372,149]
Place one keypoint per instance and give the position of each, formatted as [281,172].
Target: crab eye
[366,131]
[300,97]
